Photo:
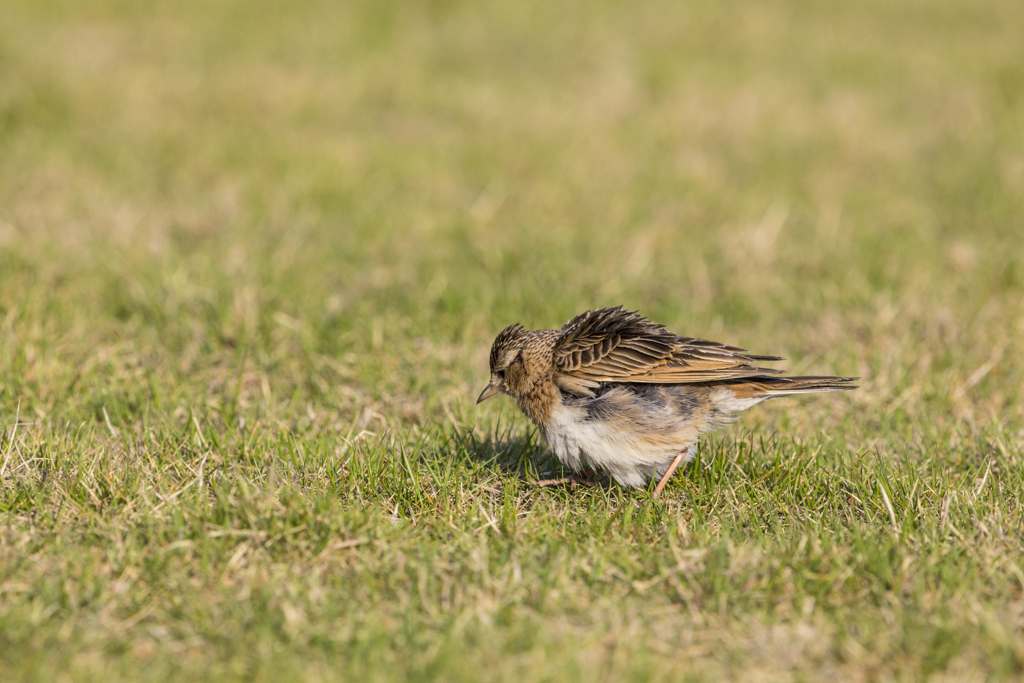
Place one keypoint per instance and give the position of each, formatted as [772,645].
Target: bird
[613,391]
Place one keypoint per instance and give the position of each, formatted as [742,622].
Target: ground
[253,254]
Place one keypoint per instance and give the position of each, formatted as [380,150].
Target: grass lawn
[253,255]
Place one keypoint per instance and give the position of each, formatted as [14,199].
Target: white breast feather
[580,443]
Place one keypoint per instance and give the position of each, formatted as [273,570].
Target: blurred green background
[317,215]
[398,181]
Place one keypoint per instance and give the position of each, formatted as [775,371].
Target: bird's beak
[489,390]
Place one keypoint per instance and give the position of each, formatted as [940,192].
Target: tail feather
[773,387]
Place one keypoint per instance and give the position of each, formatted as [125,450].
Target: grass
[252,256]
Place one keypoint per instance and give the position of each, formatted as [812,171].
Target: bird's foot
[582,478]
[692,451]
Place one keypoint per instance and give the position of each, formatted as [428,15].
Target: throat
[540,402]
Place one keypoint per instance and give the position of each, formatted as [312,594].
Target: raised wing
[614,345]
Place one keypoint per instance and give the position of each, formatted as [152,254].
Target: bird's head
[507,368]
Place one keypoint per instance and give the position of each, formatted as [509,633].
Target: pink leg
[576,478]
[671,470]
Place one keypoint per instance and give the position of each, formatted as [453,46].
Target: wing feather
[614,345]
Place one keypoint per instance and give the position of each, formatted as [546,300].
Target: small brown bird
[614,391]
